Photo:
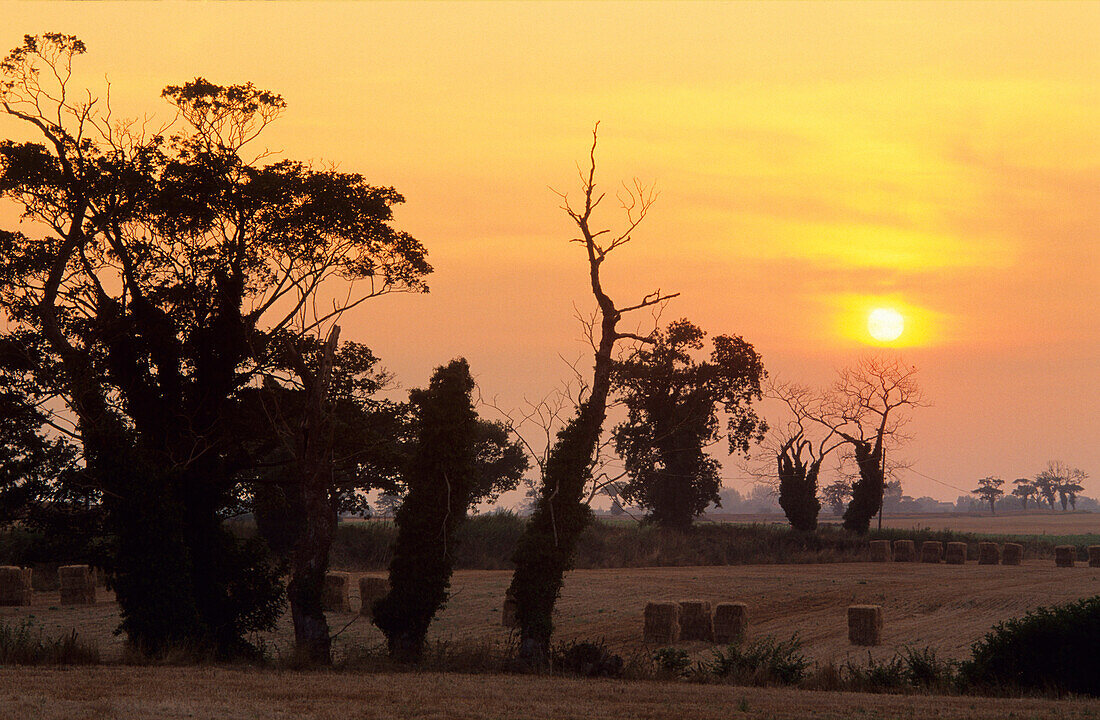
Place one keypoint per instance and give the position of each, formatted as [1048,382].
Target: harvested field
[925,605]
[174,693]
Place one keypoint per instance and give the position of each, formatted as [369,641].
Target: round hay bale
[695,621]
[865,624]
[1013,554]
[731,621]
[1065,555]
[955,554]
[1094,555]
[989,553]
[77,584]
[931,551]
[336,595]
[881,551]
[371,589]
[905,551]
[661,623]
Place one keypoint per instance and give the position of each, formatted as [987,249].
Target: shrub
[587,659]
[923,668]
[766,661]
[875,676]
[25,644]
[672,661]
[1052,649]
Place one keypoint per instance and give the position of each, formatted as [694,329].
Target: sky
[814,161]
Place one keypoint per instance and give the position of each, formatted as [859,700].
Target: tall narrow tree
[546,548]
[441,482]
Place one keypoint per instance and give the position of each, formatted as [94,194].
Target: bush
[766,661]
[672,661]
[1051,649]
[26,645]
[925,669]
[587,659]
[875,676]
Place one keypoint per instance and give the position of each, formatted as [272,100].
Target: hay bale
[989,553]
[1013,554]
[662,622]
[77,584]
[1094,555]
[905,551]
[508,616]
[695,621]
[956,553]
[1065,555]
[931,551]
[335,596]
[881,551]
[15,585]
[371,588]
[865,624]
[731,621]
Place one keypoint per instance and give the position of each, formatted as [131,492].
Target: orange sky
[814,161]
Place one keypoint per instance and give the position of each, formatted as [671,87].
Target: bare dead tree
[867,408]
[546,548]
[798,447]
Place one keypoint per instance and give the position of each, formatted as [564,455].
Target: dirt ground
[149,693]
[946,607]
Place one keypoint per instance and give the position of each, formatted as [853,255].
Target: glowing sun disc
[885,324]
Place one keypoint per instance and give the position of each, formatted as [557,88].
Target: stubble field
[946,607]
[145,693]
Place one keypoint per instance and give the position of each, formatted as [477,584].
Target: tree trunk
[309,564]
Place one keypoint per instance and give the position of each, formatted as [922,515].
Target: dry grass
[230,694]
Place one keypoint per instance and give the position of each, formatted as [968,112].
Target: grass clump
[26,644]
[766,661]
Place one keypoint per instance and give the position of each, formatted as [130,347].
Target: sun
[885,324]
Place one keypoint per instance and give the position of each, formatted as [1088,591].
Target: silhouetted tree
[836,495]
[1024,490]
[866,408]
[170,267]
[455,464]
[798,454]
[672,405]
[319,440]
[989,489]
[545,550]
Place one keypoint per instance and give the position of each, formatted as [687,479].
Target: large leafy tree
[672,402]
[166,269]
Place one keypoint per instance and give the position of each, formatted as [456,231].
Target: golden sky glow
[815,161]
